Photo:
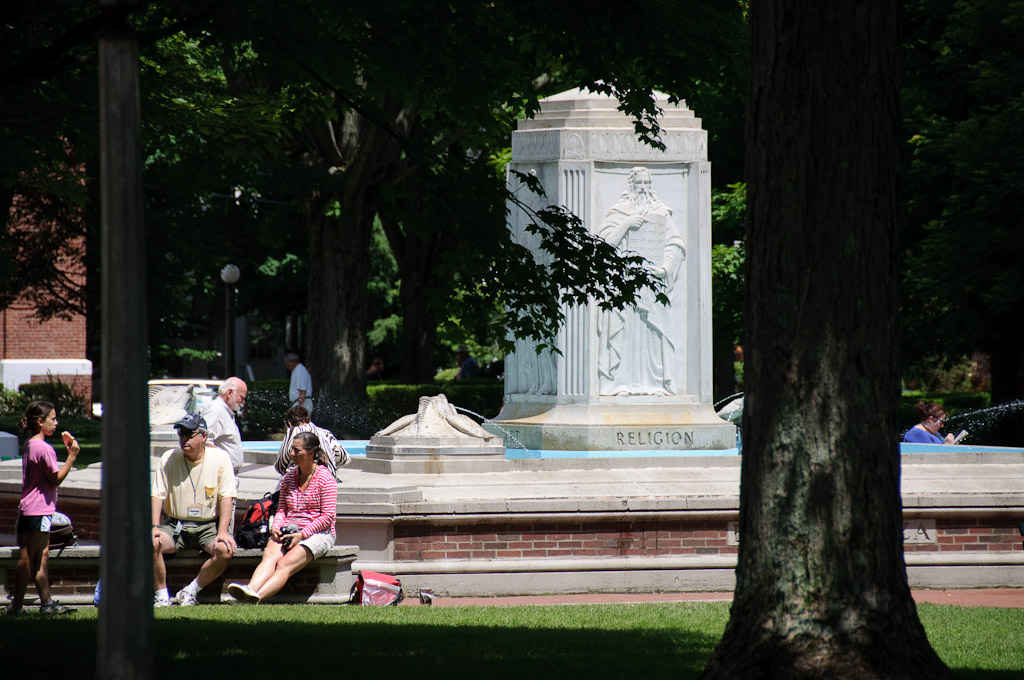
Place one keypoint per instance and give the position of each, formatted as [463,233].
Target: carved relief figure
[527,372]
[636,350]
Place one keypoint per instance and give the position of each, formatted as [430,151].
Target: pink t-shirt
[38,495]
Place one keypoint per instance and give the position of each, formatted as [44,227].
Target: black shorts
[37,523]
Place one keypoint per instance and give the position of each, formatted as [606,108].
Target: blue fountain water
[973,419]
[357,448]
[980,422]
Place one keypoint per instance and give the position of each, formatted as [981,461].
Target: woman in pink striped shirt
[304,525]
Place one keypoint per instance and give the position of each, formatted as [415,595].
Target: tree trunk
[417,256]
[338,270]
[821,586]
[419,330]
[360,153]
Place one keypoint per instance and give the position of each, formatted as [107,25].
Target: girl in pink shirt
[41,475]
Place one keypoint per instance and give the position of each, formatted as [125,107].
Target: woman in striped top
[303,528]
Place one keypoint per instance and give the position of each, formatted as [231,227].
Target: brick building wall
[24,337]
[45,348]
[32,351]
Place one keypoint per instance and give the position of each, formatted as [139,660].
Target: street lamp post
[229,275]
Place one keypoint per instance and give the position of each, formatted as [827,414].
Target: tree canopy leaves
[963,285]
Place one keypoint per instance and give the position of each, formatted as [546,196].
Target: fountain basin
[616,524]
[266,452]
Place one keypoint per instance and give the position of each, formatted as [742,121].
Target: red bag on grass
[372,588]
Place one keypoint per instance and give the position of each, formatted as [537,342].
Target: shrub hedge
[388,402]
[953,402]
[69,402]
[958,406]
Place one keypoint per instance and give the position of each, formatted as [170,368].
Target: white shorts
[318,544]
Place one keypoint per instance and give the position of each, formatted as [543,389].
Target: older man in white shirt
[220,420]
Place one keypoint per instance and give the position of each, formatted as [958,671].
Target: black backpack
[254,531]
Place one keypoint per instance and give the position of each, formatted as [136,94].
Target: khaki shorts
[318,544]
[188,534]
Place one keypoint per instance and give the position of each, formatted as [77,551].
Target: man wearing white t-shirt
[220,419]
[300,390]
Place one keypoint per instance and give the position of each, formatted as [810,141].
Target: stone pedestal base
[434,455]
[612,427]
[161,438]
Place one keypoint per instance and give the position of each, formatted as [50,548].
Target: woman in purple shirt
[927,431]
[41,475]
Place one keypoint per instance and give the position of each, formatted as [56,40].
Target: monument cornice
[607,144]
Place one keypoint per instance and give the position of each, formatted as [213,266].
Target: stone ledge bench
[74,571]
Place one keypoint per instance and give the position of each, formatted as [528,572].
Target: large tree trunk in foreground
[821,586]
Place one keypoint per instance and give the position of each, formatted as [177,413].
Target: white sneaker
[161,602]
[186,598]
[243,593]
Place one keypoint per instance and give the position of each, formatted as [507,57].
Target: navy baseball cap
[193,421]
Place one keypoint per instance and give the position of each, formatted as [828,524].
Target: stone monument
[640,378]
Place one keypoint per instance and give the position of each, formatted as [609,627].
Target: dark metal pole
[230,275]
[125,637]
[229,331]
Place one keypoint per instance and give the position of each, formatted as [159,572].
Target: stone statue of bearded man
[636,354]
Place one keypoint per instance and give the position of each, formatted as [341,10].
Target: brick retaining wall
[561,539]
[420,541]
[959,534]
[424,542]
[84,514]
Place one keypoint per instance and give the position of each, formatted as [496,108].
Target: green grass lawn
[671,640]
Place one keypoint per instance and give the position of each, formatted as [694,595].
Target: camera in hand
[290,529]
